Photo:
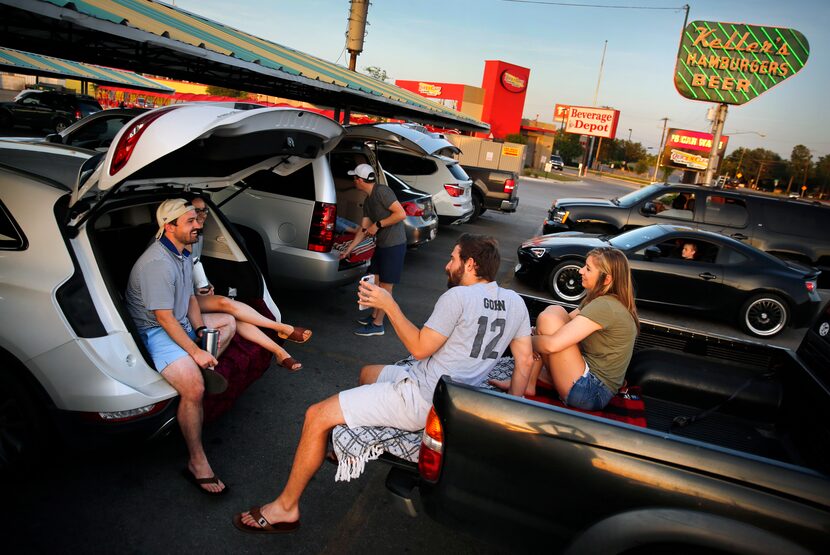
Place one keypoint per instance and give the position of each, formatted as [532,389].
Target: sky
[449,40]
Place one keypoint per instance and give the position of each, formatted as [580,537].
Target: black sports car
[725,278]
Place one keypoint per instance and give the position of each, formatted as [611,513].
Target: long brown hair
[612,262]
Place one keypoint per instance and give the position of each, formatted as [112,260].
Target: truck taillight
[321,233]
[509,185]
[126,144]
[454,190]
[432,448]
[412,209]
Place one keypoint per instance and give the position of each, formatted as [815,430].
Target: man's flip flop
[290,363]
[264,527]
[199,482]
[298,335]
[215,382]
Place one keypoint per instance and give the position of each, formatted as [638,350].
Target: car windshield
[634,197]
[634,239]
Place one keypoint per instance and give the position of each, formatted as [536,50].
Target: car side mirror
[649,208]
[653,252]
[54,138]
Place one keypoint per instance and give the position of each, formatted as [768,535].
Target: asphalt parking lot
[134,500]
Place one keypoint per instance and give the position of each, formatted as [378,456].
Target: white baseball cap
[364,172]
[169,211]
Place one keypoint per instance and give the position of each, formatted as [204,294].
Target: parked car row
[51,110]
[276,180]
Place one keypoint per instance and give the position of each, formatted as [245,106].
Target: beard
[454,277]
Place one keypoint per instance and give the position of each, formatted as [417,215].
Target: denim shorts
[162,348]
[589,393]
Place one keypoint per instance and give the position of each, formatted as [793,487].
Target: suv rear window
[11,237]
[458,172]
[723,210]
[794,219]
[299,184]
[405,164]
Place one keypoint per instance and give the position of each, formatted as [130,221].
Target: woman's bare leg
[255,335]
[244,313]
[566,366]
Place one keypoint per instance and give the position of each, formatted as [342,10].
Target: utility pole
[660,150]
[587,157]
[357,30]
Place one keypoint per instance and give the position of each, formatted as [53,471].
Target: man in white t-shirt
[471,325]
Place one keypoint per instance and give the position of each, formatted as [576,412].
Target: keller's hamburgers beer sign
[598,122]
[732,63]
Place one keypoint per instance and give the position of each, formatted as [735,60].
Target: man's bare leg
[319,420]
[185,377]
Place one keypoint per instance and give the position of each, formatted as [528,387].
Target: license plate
[517,268]
[432,233]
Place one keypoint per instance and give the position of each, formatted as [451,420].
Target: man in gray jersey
[470,327]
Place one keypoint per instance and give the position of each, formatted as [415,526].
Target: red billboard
[689,150]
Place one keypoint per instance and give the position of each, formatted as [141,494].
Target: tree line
[757,168]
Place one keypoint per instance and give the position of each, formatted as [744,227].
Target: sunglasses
[203,211]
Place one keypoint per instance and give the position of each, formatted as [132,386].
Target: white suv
[418,157]
[72,223]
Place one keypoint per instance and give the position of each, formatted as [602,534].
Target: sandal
[298,335]
[264,527]
[291,363]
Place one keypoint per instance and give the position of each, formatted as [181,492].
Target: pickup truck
[734,456]
[493,190]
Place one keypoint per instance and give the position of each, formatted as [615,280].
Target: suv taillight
[454,190]
[412,209]
[321,233]
[127,142]
[509,185]
[432,448]
[810,285]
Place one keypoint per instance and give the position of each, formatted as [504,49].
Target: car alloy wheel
[566,283]
[764,315]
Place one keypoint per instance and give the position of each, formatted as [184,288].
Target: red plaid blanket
[626,406]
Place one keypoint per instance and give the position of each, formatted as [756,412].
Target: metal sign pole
[717,131]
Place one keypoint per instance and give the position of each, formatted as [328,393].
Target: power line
[572,5]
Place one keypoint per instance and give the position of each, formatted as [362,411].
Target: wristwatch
[377,223]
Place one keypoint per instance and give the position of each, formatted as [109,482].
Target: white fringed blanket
[354,447]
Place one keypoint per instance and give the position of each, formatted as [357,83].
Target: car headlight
[559,216]
[537,252]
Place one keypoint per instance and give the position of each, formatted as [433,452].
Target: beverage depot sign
[513,82]
[732,63]
[690,150]
[597,122]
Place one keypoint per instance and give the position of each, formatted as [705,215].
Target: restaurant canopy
[17,61]
[158,39]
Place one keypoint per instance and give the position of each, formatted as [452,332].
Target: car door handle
[739,236]
[707,276]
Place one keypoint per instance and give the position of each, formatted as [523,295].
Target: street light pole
[660,150]
[629,134]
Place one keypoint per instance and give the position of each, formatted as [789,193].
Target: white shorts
[394,400]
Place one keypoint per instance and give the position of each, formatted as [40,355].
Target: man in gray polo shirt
[160,299]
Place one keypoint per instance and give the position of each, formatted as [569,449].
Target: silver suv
[72,222]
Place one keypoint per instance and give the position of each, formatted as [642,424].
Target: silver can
[210,341]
